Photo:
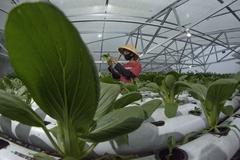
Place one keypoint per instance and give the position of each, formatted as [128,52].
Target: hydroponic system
[64,96]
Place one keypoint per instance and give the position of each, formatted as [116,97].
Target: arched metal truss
[162,41]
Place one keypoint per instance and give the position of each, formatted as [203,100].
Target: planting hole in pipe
[177,154]
[237,115]
[158,123]
[47,122]
[223,131]
[193,102]
[196,111]
[3,144]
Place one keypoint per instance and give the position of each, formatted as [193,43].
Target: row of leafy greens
[50,58]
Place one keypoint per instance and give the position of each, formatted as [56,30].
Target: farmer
[126,72]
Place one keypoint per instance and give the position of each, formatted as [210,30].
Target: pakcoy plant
[173,152]
[51,59]
[171,145]
[111,106]
[111,101]
[213,99]
[169,90]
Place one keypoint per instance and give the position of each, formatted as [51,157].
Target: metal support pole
[157,31]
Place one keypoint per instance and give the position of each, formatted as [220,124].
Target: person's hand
[113,60]
[109,62]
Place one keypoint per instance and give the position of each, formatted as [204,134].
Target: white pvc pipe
[149,137]
[178,126]
[27,134]
[183,109]
[15,152]
[212,147]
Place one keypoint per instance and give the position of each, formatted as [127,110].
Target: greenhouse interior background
[187,87]
[157,29]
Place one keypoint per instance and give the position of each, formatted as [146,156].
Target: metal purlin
[203,19]
[154,43]
[155,17]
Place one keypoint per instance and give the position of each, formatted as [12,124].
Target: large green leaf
[126,99]
[198,91]
[51,59]
[150,87]
[179,87]
[150,106]
[129,86]
[221,90]
[108,95]
[121,140]
[169,80]
[116,123]
[15,109]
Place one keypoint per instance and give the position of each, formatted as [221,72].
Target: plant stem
[70,141]
[52,140]
[88,151]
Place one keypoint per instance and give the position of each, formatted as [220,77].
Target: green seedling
[171,142]
[169,90]
[213,98]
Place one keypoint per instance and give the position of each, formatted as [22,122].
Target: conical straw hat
[128,47]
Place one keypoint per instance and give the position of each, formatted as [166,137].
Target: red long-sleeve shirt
[126,72]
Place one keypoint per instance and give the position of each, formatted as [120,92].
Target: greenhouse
[119,80]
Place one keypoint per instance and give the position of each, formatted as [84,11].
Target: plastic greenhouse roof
[158,28]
